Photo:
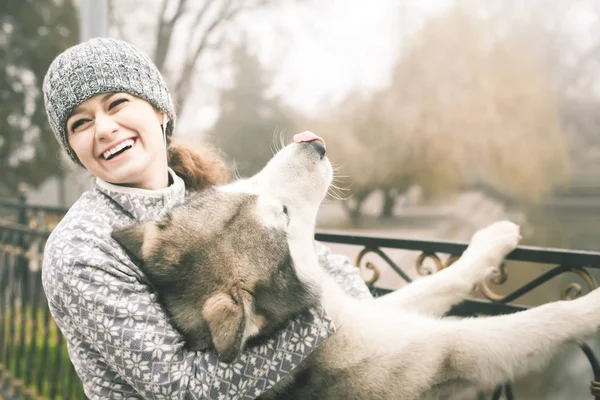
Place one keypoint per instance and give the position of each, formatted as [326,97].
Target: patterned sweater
[120,340]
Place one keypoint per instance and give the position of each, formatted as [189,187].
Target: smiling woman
[119,138]
[111,111]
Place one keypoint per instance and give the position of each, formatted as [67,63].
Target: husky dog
[237,261]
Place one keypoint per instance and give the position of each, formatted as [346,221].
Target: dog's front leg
[436,294]
[489,351]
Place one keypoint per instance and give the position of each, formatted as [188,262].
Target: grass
[33,351]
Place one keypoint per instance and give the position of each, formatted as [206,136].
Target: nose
[316,141]
[105,126]
[318,147]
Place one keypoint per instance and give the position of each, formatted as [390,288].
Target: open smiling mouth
[118,149]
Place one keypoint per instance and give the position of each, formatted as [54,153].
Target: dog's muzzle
[316,141]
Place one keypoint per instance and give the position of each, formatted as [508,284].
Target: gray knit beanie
[100,65]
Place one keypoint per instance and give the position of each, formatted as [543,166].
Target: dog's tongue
[307,136]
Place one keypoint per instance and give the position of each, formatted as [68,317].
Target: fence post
[23,219]
[22,195]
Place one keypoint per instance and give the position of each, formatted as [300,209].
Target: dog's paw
[494,242]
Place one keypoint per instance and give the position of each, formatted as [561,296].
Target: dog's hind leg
[436,294]
[489,351]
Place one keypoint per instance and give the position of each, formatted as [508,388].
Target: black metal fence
[34,362]
[40,218]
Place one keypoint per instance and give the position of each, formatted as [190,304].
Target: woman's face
[118,138]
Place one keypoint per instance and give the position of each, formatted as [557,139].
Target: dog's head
[238,261]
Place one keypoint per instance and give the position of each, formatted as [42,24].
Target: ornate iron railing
[491,303]
[42,218]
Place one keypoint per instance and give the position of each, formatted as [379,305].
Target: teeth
[120,146]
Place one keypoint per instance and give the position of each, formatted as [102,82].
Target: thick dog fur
[238,260]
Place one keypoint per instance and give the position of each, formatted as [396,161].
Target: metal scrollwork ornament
[375,272]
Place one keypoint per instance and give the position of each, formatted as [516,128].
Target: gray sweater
[120,340]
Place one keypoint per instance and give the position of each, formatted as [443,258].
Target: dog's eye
[287,215]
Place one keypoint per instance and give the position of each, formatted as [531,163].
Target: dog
[237,261]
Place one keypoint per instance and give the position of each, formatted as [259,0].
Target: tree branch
[200,17]
[182,87]
[165,32]
[228,11]
[115,20]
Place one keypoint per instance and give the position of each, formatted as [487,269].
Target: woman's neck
[155,182]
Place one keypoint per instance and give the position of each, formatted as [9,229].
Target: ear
[226,320]
[137,238]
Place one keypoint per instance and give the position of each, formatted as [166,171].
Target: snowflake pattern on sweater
[119,338]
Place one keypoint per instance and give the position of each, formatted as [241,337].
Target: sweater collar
[145,204]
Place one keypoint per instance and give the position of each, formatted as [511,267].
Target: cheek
[146,126]
[152,137]
[81,145]
[139,115]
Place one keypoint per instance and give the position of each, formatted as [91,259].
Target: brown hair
[199,167]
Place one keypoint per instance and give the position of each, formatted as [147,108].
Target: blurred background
[440,116]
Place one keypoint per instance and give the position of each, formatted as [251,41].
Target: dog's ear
[136,238]
[224,313]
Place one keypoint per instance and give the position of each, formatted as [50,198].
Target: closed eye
[78,123]
[115,103]
[287,214]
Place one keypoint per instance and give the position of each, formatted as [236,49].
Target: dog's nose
[316,141]
[319,147]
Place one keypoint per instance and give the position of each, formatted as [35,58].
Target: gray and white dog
[237,261]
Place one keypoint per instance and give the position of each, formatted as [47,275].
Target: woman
[111,111]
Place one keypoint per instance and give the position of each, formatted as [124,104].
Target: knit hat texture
[96,66]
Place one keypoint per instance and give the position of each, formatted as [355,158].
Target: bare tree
[198,26]
[464,105]
[249,117]
[565,37]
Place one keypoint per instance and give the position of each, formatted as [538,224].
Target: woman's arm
[344,272]
[119,318]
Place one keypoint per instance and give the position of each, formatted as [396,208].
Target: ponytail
[198,167]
